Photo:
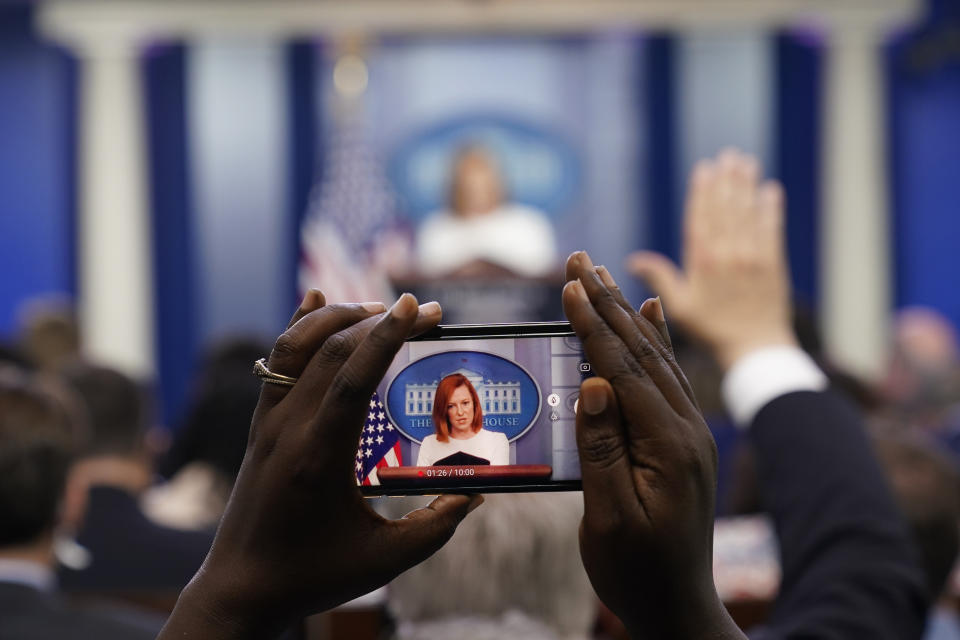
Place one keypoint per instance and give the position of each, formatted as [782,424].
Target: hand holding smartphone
[479,408]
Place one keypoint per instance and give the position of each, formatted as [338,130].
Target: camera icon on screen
[585,367]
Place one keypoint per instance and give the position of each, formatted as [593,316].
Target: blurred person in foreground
[482,233]
[39,437]
[850,569]
[203,462]
[127,552]
[514,568]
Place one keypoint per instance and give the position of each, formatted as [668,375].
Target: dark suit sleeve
[849,567]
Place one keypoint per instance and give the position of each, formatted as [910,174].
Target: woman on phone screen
[458,422]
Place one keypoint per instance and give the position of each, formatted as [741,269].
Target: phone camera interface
[456,413]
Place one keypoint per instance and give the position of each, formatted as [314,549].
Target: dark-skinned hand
[649,468]
[297,537]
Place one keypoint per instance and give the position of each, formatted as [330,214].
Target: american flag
[350,212]
[379,444]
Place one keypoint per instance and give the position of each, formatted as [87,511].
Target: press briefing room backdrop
[161,162]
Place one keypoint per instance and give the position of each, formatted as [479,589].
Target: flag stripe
[379,445]
[350,210]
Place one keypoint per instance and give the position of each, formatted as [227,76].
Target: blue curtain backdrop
[176,275]
[924,102]
[170,200]
[305,145]
[656,100]
[37,167]
[798,80]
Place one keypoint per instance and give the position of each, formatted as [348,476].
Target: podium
[490,298]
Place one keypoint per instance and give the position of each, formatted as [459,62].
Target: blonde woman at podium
[481,234]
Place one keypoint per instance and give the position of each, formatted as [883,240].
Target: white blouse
[489,445]
[515,237]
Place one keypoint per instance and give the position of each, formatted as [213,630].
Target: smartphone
[476,408]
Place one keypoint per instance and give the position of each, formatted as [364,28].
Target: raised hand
[648,464]
[297,537]
[733,292]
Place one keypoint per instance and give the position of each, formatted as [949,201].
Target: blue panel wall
[238,114]
[174,268]
[924,84]
[37,101]
[796,156]
[658,105]
[303,143]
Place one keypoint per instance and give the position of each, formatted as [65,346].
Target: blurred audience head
[49,335]
[40,435]
[117,409]
[925,339]
[512,569]
[208,447]
[218,417]
[923,379]
[702,371]
[476,186]
[926,484]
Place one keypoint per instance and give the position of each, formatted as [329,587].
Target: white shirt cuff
[762,375]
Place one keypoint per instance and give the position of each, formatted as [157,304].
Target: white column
[237,110]
[609,156]
[724,95]
[855,264]
[116,287]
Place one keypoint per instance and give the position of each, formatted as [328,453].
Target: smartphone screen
[479,408]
